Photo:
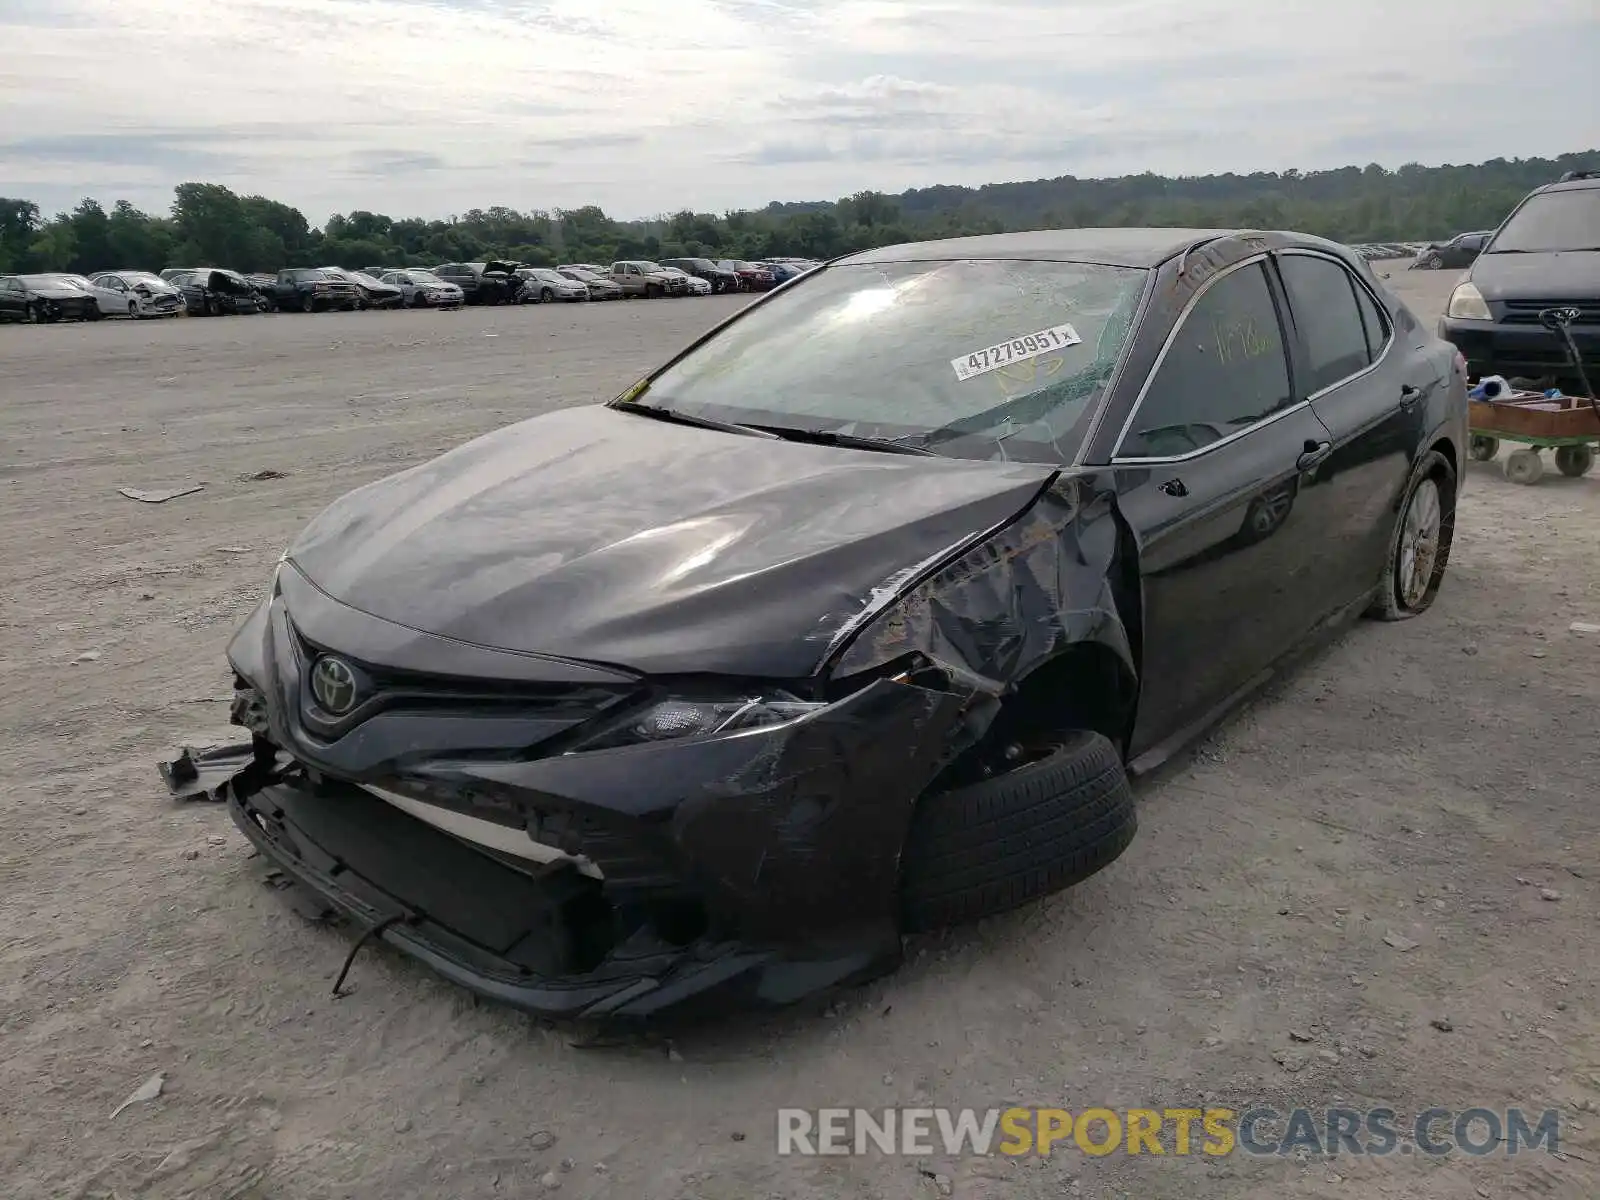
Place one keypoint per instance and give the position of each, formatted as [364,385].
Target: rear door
[1372,391]
[1216,476]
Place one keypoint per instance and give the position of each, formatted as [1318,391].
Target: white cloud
[430,107]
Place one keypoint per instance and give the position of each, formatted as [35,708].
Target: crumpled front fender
[1043,584]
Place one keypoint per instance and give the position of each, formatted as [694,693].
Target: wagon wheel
[1483,447]
[1574,460]
[1524,466]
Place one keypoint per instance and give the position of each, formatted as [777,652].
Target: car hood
[1568,275]
[595,534]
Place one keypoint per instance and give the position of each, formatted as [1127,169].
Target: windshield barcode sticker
[1001,354]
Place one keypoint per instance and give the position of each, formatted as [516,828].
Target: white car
[132,294]
[697,286]
[423,289]
[541,285]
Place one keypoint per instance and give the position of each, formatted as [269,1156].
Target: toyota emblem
[333,683]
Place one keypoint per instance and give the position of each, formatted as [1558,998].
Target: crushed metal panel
[1009,604]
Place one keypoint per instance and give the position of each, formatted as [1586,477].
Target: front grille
[1526,312]
[388,689]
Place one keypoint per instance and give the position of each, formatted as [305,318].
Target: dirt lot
[1424,780]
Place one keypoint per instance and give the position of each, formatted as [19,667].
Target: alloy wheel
[1419,542]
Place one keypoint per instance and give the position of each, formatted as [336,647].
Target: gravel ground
[1421,781]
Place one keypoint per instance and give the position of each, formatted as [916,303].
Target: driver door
[1216,474]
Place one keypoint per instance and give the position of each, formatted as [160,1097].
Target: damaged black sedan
[852,619]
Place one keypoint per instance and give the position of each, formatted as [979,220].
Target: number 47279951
[1017,349]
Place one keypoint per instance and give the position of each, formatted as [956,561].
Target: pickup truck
[308,289]
[640,277]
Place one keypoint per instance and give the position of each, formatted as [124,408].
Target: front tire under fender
[995,845]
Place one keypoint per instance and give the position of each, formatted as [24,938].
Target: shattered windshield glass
[975,358]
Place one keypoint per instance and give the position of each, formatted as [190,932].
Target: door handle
[1313,453]
[1409,396]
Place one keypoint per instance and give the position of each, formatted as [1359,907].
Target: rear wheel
[1419,549]
[1574,461]
[997,844]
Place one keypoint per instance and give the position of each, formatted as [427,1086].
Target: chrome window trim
[1119,459]
[1388,344]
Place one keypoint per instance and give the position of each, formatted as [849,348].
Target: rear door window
[1322,297]
[1374,321]
[1226,370]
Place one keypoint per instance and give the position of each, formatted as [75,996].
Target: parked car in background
[143,294]
[641,277]
[752,277]
[1545,256]
[595,268]
[720,279]
[44,299]
[784,271]
[314,289]
[493,282]
[544,285]
[215,292]
[370,292]
[1459,251]
[600,286]
[424,289]
[693,285]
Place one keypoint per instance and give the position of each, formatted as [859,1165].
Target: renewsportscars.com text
[1213,1132]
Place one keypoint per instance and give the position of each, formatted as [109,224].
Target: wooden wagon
[1567,424]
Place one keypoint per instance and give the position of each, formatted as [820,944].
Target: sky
[432,107]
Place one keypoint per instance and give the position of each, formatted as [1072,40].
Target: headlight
[1466,304]
[670,720]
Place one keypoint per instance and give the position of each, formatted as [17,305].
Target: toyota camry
[853,618]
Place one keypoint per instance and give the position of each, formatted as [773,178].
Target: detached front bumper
[753,869]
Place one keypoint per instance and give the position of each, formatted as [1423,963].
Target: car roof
[1581,183]
[1114,247]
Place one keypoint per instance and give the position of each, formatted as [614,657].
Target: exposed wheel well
[1448,448]
[1085,687]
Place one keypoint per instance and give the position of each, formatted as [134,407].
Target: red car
[752,276]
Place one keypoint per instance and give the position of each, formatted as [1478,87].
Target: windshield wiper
[682,418]
[851,441]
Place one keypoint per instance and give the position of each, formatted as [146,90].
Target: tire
[1573,461]
[1524,467]
[997,844]
[1408,587]
[1434,262]
[133,311]
[1483,447]
[308,304]
[213,307]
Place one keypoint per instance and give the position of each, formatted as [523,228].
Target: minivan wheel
[1419,548]
[999,843]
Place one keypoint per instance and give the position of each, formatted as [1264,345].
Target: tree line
[211,225]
